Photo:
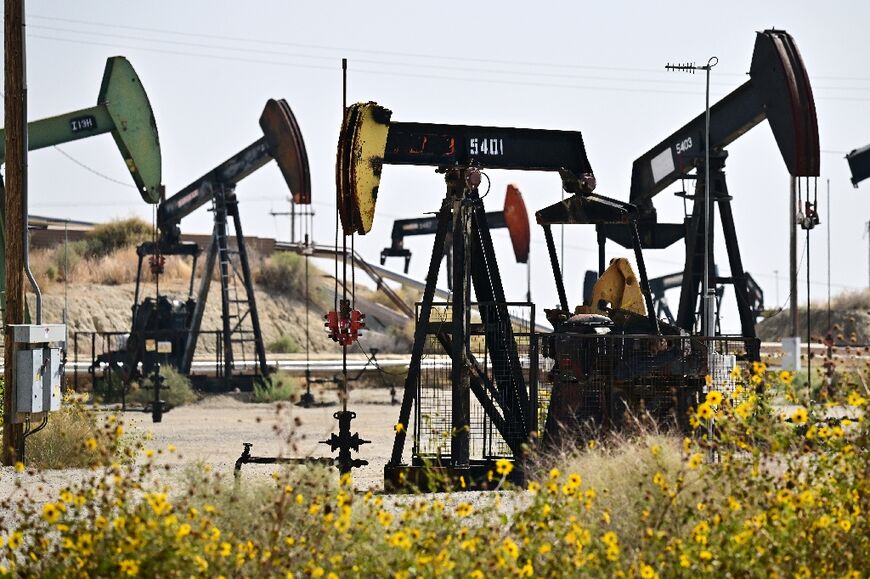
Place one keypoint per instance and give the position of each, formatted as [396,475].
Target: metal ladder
[243,340]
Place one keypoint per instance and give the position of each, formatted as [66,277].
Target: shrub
[77,437]
[284,273]
[283,345]
[279,387]
[176,390]
[107,238]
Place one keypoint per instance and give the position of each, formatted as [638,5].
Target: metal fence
[573,382]
[107,354]
[600,379]
[496,412]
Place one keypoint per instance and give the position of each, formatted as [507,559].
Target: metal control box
[29,371]
[38,368]
[52,380]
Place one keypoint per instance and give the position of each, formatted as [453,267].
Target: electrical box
[791,354]
[29,370]
[38,368]
[52,381]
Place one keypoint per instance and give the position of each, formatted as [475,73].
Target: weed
[176,390]
[279,387]
[283,273]
[78,437]
[283,345]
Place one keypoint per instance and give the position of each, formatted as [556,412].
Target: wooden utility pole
[16,198]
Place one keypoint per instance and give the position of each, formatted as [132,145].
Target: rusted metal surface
[516,219]
[287,147]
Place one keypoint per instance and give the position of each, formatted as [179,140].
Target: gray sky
[208,68]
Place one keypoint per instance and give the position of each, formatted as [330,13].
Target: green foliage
[284,273]
[107,238]
[283,345]
[176,390]
[279,387]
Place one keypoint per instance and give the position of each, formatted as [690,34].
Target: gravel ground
[212,431]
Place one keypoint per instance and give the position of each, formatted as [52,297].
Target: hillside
[850,319]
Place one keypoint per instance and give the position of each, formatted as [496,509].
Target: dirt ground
[213,430]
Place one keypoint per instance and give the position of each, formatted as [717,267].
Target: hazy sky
[208,68]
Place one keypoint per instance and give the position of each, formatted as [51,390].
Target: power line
[402,74]
[346,49]
[513,72]
[92,170]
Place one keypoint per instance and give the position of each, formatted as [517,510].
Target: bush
[279,387]
[176,390]
[77,437]
[283,345]
[284,273]
[107,238]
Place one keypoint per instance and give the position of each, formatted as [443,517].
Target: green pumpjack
[122,109]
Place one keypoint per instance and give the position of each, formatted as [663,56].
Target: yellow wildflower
[503,466]
[714,397]
[51,512]
[464,509]
[705,411]
[855,399]
[183,531]
[695,460]
[129,567]
[799,416]
[511,548]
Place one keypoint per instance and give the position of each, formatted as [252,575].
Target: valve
[158,405]
[344,441]
[346,325]
[809,218]
[157,263]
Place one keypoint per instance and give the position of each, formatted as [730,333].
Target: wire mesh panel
[601,379]
[502,372]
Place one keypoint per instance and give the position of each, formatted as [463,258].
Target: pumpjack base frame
[422,477]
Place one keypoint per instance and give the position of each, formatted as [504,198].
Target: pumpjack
[165,330]
[123,110]
[513,217]
[778,90]
[502,374]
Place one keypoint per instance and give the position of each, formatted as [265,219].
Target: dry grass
[619,467]
[77,437]
[115,268]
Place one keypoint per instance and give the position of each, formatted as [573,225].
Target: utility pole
[15,202]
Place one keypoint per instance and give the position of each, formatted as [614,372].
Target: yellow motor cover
[619,287]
